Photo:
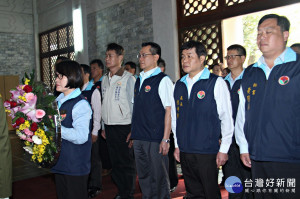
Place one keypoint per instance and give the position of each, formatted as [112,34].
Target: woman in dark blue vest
[73,166]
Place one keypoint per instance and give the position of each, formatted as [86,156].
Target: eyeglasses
[143,55]
[59,76]
[231,56]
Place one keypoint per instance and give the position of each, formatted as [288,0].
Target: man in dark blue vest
[268,118]
[151,124]
[93,96]
[236,55]
[201,113]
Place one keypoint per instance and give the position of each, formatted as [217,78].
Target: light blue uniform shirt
[165,88]
[231,80]
[81,115]
[91,84]
[287,55]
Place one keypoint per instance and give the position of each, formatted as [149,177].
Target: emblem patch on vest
[238,91]
[147,88]
[283,80]
[201,94]
[63,114]
[119,83]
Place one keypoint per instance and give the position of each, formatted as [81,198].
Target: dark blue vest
[234,96]
[148,116]
[74,159]
[272,112]
[198,126]
[88,93]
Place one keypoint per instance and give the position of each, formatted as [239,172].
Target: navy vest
[234,96]
[74,159]
[148,116]
[88,93]
[272,112]
[198,126]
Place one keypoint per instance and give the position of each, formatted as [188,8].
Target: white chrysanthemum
[36,140]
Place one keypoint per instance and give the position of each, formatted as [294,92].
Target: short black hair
[116,47]
[98,62]
[86,68]
[199,47]
[282,21]
[227,69]
[240,49]
[215,65]
[155,48]
[296,45]
[72,70]
[62,58]
[131,64]
[161,63]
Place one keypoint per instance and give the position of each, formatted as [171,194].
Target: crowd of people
[246,120]
[215,121]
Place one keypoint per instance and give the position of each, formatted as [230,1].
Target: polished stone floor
[29,179]
[23,168]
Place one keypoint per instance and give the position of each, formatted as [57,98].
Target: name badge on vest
[147,88]
[283,80]
[201,94]
[117,91]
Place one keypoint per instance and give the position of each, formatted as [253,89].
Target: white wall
[53,13]
[166,35]
[16,16]
[232,33]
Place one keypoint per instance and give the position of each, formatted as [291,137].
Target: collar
[120,72]
[62,98]
[150,73]
[230,79]
[288,55]
[204,74]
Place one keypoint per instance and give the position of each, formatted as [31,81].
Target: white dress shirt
[96,107]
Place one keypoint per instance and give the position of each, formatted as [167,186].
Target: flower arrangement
[33,111]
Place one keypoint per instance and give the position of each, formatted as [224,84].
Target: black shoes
[93,192]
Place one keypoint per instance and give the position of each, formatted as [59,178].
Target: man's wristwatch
[166,140]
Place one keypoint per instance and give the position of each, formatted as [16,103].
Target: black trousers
[286,178]
[235,167]
[105,159]
[152,168]
[200,174]
[173,175]
[122,159]
[95,177]
[71,187]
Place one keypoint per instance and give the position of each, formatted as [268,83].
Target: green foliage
[250,23]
